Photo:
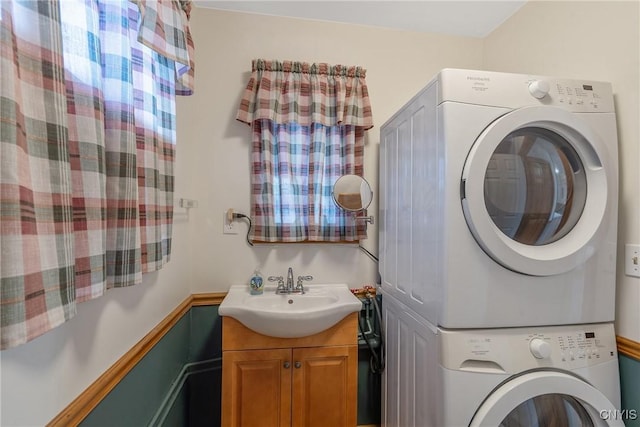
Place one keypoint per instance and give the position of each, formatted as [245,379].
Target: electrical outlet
[228,227]
[188,203]
[632,260]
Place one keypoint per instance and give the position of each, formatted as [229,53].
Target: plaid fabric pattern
[36,205]
[85,109]
[87,144]
[164,28]
[294,169]
[117,28]
[186,80]
[155,121]
[308,123]
[298,92]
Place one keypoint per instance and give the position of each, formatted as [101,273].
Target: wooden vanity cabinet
[256,388]
[289,382]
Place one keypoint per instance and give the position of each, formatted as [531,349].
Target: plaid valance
[164,28]
[302,93]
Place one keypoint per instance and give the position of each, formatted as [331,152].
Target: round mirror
[352,193]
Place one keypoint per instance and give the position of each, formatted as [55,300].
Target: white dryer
[498,201]
[541,376]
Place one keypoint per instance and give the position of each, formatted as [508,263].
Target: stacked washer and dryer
[498,207]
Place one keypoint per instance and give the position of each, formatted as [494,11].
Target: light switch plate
[632,260]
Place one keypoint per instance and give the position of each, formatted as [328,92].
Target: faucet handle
[278,279]
[301,279]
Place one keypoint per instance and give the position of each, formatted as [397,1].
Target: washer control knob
[540,348]
[539,88]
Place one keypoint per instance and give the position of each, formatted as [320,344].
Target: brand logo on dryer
[479,79]
[479,83]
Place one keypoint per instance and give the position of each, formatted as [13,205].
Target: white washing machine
[498,201]
[511,377]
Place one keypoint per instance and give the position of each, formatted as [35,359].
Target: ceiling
[473,18]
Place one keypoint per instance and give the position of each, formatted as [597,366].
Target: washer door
[534,190]
[546,398]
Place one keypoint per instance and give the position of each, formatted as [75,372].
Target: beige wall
[40,378]
[599,41]
[587,40]
[398,64]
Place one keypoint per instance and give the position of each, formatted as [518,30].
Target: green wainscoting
[135,400]
[630,388]
[178,382]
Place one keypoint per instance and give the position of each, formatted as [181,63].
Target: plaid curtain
[308,123]
[87,147]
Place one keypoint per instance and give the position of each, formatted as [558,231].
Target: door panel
[260,384]
[325,387]
[410,184]
[548,398]
[535,191]
[410,394]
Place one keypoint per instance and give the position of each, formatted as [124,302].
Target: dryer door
[535,191]
[546,398]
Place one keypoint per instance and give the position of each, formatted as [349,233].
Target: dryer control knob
[539,88]
[540,348]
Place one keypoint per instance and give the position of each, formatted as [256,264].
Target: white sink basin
[290,315]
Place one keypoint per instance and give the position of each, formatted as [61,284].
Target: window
[308,123]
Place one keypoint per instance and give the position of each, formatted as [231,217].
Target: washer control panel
[579,346]
[516,349]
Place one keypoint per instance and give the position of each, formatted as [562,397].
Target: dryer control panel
[509,90]
[515,350]
[570,92]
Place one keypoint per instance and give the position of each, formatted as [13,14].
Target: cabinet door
[325,387]
[256,388]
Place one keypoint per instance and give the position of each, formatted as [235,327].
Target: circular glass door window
[557,410]
[535,186]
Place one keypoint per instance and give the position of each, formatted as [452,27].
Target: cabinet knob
[286,365]
[298,365]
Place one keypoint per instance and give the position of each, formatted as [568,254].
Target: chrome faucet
[289,288]
[290,280]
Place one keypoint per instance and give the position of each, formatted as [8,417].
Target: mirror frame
[364,190]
